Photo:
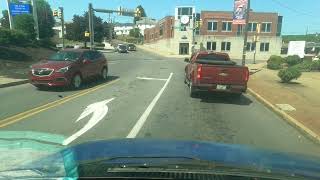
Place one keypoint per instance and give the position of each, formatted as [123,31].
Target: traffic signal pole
[244,52]
[35,17]
[9,15]
[91,25]
[62,26]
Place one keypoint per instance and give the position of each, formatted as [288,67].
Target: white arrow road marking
[135,130]
[99,111]
[146,78]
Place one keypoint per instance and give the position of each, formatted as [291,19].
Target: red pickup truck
[210,71]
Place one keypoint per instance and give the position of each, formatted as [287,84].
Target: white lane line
[135,130]
[146,78]
[113,63]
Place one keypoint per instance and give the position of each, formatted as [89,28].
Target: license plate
[221,87]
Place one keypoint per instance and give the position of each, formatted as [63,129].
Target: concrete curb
[14,83]
[293,122]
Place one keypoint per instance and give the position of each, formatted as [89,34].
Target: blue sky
[298,16]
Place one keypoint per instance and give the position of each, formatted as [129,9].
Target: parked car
[210,71]
[122,48]
[69,68]
[132,47]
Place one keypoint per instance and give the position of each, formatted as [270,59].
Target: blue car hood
[64,161]
[235,156]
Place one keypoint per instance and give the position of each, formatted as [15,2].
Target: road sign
[17,9]
[86,34]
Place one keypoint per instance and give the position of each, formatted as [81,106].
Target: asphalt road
[147,99]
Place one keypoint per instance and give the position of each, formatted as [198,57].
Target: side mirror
[85,61]
[186,59]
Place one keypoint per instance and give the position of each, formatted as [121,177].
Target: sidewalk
[164,54]
[299,99]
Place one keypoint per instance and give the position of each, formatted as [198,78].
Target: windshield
[65,56]
[191,79]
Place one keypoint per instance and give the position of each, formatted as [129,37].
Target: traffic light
[137,13]
[59,14]
[199,23]
[258,28]
[55,13]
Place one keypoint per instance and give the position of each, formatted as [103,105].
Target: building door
[183,48]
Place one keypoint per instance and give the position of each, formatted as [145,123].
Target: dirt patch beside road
[302,95]
[15,61]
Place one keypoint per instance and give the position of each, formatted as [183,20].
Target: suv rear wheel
[104,73]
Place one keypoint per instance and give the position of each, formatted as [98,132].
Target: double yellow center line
[18,117]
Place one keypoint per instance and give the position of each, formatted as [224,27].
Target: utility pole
[35,17]
[62,25]
[91,26]
[246,35]
[9,15]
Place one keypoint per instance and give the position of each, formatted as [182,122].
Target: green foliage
[76,29]
[305,66]
[315,65]
[308,38]
[5,19]
[293,60]
[135,32]
[25,23]
[275,62]
[13,37]
[143,14]
[45,19]
[287,75]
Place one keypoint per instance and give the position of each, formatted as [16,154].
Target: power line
[292,9]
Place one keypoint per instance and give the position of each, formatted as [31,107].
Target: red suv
[69,68]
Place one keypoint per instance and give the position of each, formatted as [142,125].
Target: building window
[185,11]
[266,27]
[211,46]
[251,46]
[161,30]
[227,26]
[239,30]
[225,46]
[183,27]
[264,47]
[212,26]
[252,27]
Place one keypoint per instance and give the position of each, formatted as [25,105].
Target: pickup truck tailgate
[215,74]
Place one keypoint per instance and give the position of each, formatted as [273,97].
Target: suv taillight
[199,71]
[246,75]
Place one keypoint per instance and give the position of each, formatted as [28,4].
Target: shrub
[315,65]
[286,75]
[293,60]
[305,66]
[275,62]
[13,37]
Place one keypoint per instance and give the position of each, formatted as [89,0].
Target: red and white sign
[240,11]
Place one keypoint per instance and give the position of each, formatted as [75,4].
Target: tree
[135,32]
[45,19]
[5,19]
[143,14]
[76,29]
[25,23]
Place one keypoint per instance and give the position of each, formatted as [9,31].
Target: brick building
[217,33]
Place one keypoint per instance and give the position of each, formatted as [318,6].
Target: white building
[145,23]
[123,28]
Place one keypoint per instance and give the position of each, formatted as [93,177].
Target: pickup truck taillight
[199,71]
[246,75]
